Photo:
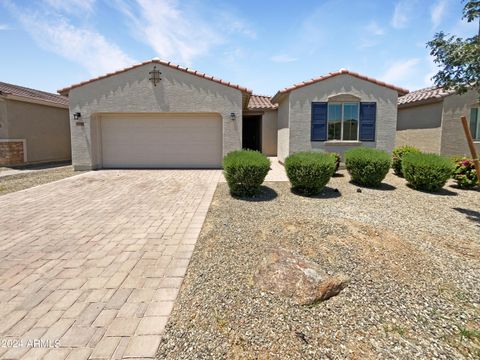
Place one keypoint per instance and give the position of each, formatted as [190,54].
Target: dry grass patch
[17,182]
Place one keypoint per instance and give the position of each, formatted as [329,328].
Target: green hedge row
[309,172]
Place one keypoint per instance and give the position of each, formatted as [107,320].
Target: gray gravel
[16,182]
[413,258]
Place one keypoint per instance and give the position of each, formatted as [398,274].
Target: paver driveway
[92,264]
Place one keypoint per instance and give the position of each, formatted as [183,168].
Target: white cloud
[178,32]
[78,7]
[438,12]
[80,45]
[402,13]
[374,29]
[371,35]
[231,23]
[4,27]
[283,58]
[400,70]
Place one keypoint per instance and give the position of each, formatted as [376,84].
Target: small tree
[459,59]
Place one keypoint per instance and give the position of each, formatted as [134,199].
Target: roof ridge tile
[156,61]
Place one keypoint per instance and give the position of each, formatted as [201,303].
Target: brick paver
[90,266]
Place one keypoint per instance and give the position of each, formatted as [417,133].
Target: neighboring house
[430,120]
[34,126]
[336,112]
[157,114]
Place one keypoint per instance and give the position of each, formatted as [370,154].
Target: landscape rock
[285,273]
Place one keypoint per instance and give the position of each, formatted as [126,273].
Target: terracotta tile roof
[400,90]
[65,91]
[10,89]
[260,102]
[426,95]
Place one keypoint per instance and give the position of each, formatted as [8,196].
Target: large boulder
[285,273]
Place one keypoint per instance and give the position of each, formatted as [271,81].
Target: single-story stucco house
[430,120]
[34,126]
[335,112]
[157,114]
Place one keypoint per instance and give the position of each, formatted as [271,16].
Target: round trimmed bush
[397,156]
[427,172]
[309,172]
[464,173]
[367,166]
[245,171]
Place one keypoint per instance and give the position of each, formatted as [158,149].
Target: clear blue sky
[263,45]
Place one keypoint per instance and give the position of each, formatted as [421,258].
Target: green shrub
[464,173]
[366,166]
[245,171]
[427,172]
[397,156]
[309,172]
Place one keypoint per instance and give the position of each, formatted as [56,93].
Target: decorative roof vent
[155,76]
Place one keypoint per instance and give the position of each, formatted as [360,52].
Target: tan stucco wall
[3,119]
[269,132]
[335,88]
[453,136]
[283,137]
[45,128]
[420,126]
[131,91]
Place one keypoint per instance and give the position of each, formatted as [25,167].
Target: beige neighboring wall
[45,128]
[334,89]
[269,133]
[132,92]
[420,126]
[453,137]
[283,137]
[3,119]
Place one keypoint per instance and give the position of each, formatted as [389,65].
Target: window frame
[342,103]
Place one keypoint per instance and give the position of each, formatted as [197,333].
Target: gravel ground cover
[413,259]
[18,182]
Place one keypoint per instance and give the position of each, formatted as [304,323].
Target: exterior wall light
[155,76]
[233,116]
[77,116]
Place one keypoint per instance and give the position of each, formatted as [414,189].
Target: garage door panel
[193,140]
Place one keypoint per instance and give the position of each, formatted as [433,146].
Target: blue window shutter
[319,121]
[473,123]
[368,115]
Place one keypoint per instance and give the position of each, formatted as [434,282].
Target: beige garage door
[161,141]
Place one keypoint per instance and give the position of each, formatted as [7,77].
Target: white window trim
[341,121]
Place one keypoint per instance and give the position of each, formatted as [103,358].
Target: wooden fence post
[471,145]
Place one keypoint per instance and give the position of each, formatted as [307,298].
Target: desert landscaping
[412,259]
